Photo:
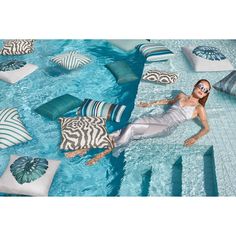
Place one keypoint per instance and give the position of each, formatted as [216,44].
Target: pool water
[153,167]
[49,81]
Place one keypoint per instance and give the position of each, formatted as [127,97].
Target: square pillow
[155,52]
[17,47]
[12,131]
[13,71]
[160,77]
[84,132]
[71,60]
[28,175]
[228,84]
[58,106]
[206,58]
[109,111]
[122,72]
[127,44]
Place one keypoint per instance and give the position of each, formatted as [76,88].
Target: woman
[183,108]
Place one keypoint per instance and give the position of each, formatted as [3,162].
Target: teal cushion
[122,72]
[58,106]
[227,84]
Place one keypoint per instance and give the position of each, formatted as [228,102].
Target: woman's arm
[205,127]
[161,102]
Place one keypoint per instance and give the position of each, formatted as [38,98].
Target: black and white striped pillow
[17,47]
[84,132]
[71,60]
[12,131]
[161,77]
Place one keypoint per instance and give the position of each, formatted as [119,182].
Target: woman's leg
[98,157]
[80,152]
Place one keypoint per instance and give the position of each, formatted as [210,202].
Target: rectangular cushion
[109,111]
[122,72]
[58,106]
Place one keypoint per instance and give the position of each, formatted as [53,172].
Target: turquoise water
[49,81]
[156,167]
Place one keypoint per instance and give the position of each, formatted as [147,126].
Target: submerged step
[168,170]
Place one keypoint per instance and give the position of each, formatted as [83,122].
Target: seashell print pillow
[160,77]
[27,175]
[207,58]
[12,71]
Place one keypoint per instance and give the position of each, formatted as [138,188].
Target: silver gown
[151,126]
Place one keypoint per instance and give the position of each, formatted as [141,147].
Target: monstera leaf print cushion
[28,175]
[12,71]
[207,58]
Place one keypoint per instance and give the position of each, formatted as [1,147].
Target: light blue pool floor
[156,167]
[221,111]
[49,81]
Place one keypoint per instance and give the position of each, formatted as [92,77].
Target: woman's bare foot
[80,152]
[98,157]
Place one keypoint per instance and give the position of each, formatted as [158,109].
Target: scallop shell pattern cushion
[160,77]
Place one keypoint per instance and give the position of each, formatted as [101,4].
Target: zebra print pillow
[160,77]
[71,60]
[84,132]
[17,47]
[12,131]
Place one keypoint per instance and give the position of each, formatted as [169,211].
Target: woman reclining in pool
[183,108]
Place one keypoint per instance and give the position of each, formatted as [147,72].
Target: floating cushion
[71,60]
[12,131]
[206,58]
[13,71]
[17,47]
[122,72]
[155,52]
[228,84]
[161,77]
[28,176]
[84,132]
[127,44]
[58,106]
[101,109]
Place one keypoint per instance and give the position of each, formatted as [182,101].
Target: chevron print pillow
[71,60]
[12,131]
[84,132]
[17,47]
[160,77]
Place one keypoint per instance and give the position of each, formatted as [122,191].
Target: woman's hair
[203,100]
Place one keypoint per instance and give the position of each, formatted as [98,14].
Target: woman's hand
[143,104]
[190,141]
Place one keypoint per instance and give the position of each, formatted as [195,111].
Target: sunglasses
[202,88]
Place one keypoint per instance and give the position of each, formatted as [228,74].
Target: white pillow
[12,131]
[13,71]
[28,176]
[71,60]
[127,44]
[205,58]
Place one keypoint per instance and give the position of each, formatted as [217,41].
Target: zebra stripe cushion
[228,84]
[160,77]
[84,132]
[155,52]
[71,60]
[17,47]
[109,111]
[12,131]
